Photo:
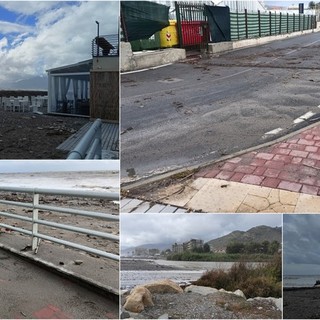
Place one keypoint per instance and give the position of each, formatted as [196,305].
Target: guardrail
[35,221]
[89,147]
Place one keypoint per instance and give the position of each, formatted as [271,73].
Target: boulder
[201,290]
[139,298]
[240,294]
[163,286]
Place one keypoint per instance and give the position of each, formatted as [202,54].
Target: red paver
[282,151]
[50,312]
[265,156]
[245,169]
[212,173]
[252,179]
[272,173]
[292,165]
[237,177]
[306,142]
[290,186]
[311,149]
[314,156]
[225,175]
[294,146]
[310,190]
[259,171]
[270,182]
[229,166]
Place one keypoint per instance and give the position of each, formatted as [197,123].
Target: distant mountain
[161,246]
[35,83]
[256,234]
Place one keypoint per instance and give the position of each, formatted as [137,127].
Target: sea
[299,281]
[189,271]
[79,180]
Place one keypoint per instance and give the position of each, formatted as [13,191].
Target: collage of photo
[159,159]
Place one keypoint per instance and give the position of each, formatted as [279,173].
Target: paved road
[193,112]
[29,292]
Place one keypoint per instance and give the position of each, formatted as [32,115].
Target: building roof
[79,67]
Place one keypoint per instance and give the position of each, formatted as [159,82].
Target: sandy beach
[301,303]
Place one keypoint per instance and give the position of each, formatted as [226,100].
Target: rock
[139,298]
[276,301]
[163,286]
[240,294]
[164,316]
[125,315]
[78,262]
[201,290]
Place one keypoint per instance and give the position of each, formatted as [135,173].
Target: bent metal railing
[35,221]
[89,147]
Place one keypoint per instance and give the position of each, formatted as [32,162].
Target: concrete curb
[158,177]
[109,292]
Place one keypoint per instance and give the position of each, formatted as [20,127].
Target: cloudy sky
[20,166]
[301,238]
[40,35]
[138,229]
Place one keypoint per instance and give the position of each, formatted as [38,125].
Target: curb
[158,177]
[109,292]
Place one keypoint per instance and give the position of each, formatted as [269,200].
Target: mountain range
[255,234]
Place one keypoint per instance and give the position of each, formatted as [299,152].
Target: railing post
[35,213]
[246,21]
[287,22]
[280,23]
[259,23]
[270,24]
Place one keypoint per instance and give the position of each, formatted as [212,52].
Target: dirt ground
[35,136]
[301,303]
[97,205]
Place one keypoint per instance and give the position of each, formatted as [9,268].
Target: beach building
[88,88]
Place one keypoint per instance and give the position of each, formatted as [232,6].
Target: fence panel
[38,219]
[246,25]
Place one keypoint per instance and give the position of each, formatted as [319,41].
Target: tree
[312,5]
[206,247]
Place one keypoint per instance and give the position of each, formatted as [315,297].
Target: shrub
[262,281]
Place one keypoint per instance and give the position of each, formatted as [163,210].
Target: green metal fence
[245,25]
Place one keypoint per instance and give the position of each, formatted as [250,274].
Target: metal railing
[89,147]
[35,206]
[105,46]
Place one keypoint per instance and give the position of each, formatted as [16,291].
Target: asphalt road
[30,292]
[196,111]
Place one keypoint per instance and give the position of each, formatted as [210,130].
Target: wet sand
[301,303]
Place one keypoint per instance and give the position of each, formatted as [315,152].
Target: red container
[194,32]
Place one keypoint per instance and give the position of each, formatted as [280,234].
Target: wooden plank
[157,208]
[169,209]
[124,201]
[142,208]
[131,205]
[180,210]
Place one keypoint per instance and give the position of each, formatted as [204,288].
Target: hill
[256,234]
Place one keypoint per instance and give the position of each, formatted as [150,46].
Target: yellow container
[169,35]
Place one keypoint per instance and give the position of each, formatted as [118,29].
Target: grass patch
[262,281]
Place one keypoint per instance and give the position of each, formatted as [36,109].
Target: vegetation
[218,257]
[265,247]
[262,281]
[235,251]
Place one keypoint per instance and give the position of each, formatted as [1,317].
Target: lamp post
[97,22]
[97,41]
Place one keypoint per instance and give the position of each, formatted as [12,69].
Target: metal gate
[219,23]
[193,29]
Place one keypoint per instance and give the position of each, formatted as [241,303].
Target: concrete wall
[147,59]
[231,45]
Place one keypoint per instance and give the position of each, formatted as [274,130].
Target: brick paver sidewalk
[293,165]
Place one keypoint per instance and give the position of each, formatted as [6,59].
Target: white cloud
[62,35]
[28,7]
[8,27]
